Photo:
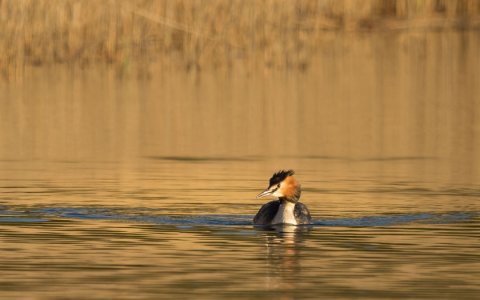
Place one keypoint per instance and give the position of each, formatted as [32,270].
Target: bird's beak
[264,193]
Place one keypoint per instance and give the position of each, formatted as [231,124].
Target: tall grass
[202,34]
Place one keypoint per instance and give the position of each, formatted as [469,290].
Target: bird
[287,209]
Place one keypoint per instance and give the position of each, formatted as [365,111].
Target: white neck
[285,214]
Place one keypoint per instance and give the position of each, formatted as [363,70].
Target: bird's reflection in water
[283,246]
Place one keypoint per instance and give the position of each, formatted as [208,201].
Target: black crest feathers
[280,176]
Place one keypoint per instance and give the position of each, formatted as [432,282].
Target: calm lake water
[128,188]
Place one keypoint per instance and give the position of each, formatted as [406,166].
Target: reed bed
[203,34]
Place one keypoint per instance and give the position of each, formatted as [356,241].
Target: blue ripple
[390,220]
[188,221]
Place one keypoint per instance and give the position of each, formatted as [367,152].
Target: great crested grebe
[287,209]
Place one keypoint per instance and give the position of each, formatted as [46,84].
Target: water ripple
[149,216]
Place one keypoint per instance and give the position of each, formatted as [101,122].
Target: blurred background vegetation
[207,34]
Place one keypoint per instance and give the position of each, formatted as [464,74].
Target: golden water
[125,188]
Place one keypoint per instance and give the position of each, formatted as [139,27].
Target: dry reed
[205,33]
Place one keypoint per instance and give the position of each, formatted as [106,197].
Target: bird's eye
[278,186]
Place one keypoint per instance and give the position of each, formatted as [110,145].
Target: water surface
[184,229]
[116,188]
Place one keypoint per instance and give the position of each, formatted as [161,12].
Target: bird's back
[302,214]
[266,213]
[269,210]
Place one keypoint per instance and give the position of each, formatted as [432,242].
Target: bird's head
[284,186]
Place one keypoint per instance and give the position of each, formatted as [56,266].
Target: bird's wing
[302,214]
[266,213]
